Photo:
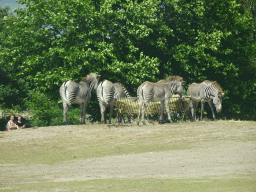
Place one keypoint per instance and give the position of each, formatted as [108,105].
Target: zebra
[79,93]
[207,91]
[107,93]
[159,91]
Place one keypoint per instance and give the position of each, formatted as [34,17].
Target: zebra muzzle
[219,109]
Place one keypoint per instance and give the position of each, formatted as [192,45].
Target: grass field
[192,156]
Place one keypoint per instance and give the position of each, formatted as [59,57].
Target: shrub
[45,111]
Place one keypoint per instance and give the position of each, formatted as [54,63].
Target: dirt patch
[223,149]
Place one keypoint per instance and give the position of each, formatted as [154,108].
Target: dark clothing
[20,124]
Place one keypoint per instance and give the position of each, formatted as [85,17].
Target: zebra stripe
[207,91]
[160,91]
[107,93]
[80,93]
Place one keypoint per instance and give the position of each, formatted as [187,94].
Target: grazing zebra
[107,93]
[160,91]
[207,91]
[79,93]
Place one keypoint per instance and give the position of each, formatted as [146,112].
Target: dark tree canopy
[131,41]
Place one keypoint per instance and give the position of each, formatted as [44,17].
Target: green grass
[57,144]
[103,141]
[147,185]
[97,143]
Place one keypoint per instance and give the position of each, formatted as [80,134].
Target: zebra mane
[125,90]
[104,80]
[216,84]
[172,78]
[175,78]
[88,77]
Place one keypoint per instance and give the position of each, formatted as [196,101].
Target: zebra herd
[107,93]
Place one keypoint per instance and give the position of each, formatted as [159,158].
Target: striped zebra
[79,93]
[107,93]
[160,91]
[207,91]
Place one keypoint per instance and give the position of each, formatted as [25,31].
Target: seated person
[11,124]
[20,124]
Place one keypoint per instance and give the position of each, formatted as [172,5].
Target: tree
[9,90]
[131,41]
[55,41]
[209,40]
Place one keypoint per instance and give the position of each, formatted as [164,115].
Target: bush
[3,122]
[47,112]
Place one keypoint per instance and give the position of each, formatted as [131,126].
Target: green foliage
[9,89]
[3,122]
[4,13]
[214,41]
[47,112]
[50,42]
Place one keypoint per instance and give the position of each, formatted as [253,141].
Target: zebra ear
[98,77]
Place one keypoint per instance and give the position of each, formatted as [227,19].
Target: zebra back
[124,90]
[216,85]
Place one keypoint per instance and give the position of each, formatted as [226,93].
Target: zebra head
[180,89]
[217,101]
[92,80]
[95,82]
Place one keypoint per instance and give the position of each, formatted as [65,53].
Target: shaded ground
[222,149]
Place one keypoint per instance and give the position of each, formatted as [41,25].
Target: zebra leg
[184,111]
[65,111]
[86,103]
[119,117]
[140,108]
[144,108]
[193,110]
[213,115]
[161,119]
[82,116]
[102,111]
[83,111]
[184,119]
[111,113]
[122,119]
[149,121]
[130,118]
[202,110]
[168,110]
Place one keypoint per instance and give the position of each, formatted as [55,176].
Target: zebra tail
[128,95]
[63,91]
[100,92]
